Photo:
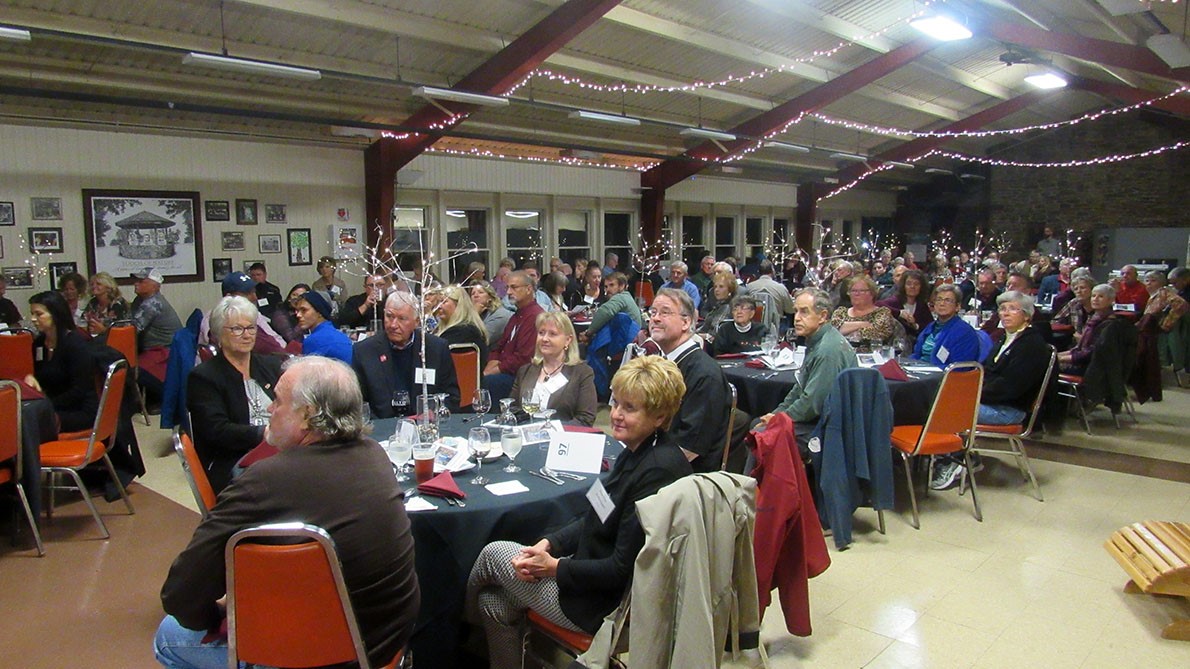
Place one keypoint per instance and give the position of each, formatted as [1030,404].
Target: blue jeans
[1000,415]
[179,648]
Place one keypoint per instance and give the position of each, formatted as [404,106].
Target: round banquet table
[759,391]
[448,540]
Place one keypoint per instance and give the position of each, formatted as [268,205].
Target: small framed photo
[61,269]
[246,212]
[220,268]
[269,243]
[231,240]
[274,213]
[249,263]
[45,240]
[300,252]
[1,248]
[217,210]
[46,208]
[8,214]
[19,277]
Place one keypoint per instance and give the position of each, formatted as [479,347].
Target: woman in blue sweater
[948,339]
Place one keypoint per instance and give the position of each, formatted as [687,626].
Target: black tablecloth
[448,541]
[759,393]
[38,424]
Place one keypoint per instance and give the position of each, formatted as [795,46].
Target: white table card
[575,452]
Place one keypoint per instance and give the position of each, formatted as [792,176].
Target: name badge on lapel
[425,375]
[600,501]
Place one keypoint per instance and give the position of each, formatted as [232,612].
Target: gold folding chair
[1016,434]
[10,451]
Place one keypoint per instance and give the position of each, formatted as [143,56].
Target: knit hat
[320,301]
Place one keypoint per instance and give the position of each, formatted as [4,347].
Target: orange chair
[10,450]
[1015,434]
[467,371]
[644,292]
[68,456]
[758,317]
[16,354]
[196,475]
[122,337]
[287,604]
[950,427]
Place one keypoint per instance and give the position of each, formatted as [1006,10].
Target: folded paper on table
[418,504]
[442,485]
[536,433]
[575,452]
[506,488]
[892,371]
[452,455]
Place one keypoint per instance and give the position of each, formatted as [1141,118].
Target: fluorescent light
[15,34]
[457,213]
[937,170]
[431,93]
[1170,48]
[512,213]
[731,169]
[1046,80]
[942,28]
[703,133]
[250,66]
[854,157]
[604,118]
[786,147]
[897,163]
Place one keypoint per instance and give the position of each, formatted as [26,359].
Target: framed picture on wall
[19,277]
[246,212]
[217,210]
[128,230]
[8,214]
[231,240]
[59,270]
[45,240]
[46,208]
[269,243]
[299,247]
[220,268]
[249,263]
[274,213]
[1,248]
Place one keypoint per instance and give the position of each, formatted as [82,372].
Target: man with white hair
[156,322]
[678,279]
[392,363]
[327,473]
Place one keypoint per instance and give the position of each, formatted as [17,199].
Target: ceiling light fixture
[786,147]
[897,163]
[713,135]
[1170,48]
[432,94]
[15,34]
[938,170]
[250,66]
[1046,80]
[604,118]
[942,28]
[854,157]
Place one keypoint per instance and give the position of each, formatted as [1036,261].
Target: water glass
[510,443]
[443,406]
[367,412]
[401,402]
[427,417]
[399,451]
[507,417]
[479,442]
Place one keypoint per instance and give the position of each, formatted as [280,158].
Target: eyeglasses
[654,313]
[857,291]
[945,300]
[240,330]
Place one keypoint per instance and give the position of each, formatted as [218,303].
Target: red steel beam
[496,76]
[1178,104]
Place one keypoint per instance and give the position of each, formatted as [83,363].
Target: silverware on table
[543,476]
[563,475]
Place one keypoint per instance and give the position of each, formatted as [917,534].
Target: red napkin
[892,371]
[731,356]
[581,428]
[27,391]
[442,485]
[755,363]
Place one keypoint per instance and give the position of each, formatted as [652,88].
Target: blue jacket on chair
[854,432]
[182,353]
[609,341]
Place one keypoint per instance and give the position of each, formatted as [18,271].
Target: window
[617,227]
[753,236]
[724,237]
[693,242]
[522,237]
[410,241]
[463,228]
[573,235]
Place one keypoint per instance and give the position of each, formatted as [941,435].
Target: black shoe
[110,492]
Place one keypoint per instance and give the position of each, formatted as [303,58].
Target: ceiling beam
[1178,104]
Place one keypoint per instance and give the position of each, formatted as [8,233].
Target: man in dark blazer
[700,426]
[392,362]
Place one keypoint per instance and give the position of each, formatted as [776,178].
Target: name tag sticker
[600,501]
[262,302]
[425,375]
[943,354]
[39,354]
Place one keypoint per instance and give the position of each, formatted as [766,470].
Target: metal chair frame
[11,446]
[196,476]
[730,428]
[133,362]
[457,356]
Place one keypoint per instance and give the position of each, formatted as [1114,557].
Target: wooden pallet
[1156,554]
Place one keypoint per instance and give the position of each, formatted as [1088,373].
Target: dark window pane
[616,229]
[753,230]
[724,231]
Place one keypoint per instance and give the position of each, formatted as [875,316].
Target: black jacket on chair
[1111,364]
[219,414]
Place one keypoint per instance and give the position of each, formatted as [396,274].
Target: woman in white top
[556,376]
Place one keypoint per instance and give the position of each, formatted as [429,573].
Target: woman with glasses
[949,338]
[228,396]
[863,323]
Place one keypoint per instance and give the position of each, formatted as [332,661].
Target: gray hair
[1156,275]
[952,289]
[232,306]
[331,389]
[524,276]
[401,298]
[1085,278]
[1081,273]
[822,299]
[678,264]
[1106,290]
[743,299]
[1024,300]
[683,299]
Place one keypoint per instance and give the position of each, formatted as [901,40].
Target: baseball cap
[238,282]
[151,273]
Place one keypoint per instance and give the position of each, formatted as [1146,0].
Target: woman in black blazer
[62,366]
[228,396]
[556,376]
[460,323]
[577,592]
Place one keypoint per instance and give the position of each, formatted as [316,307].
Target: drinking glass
[367,411]
[423,461]
[546,415]
[768,344]
[427,417]
[507,417]
[443,406]
[481,402]
[400,450]
[529,402]
[479,441]
[401,402]
[510,443]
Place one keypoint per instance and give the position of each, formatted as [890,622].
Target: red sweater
[516,346]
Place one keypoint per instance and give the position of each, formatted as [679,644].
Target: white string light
[570,162]
[1101,160]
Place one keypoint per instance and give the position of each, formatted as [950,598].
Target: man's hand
[493,367]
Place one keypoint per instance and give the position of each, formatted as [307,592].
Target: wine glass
[529,402]
[510,443]
[507,417]
[546,414]
[443,406]
[479,441]
[481,402]
[401,402]
[768,344]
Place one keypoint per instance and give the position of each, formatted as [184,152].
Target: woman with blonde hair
[107,305]
[459,322]
[716,309]
[556,376]
[489,307]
